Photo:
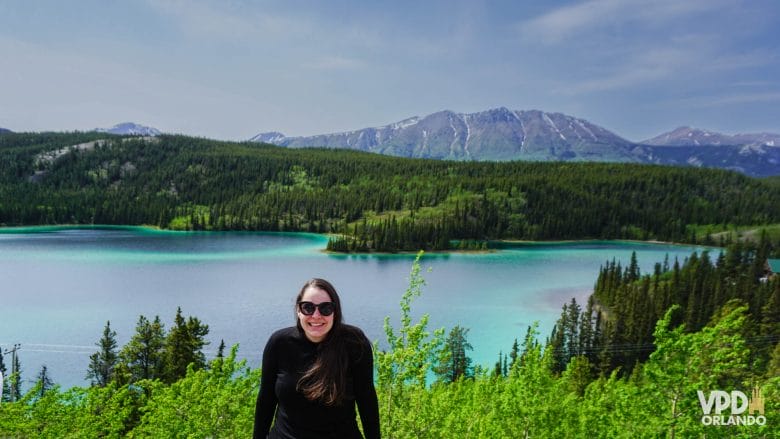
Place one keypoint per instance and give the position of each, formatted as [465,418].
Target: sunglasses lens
[326,308]
[307,308]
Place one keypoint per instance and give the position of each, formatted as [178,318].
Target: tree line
[369,202]
[151,354]
[615,330]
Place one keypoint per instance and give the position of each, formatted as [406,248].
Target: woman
[314,373]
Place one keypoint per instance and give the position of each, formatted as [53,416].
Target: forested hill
[376,202]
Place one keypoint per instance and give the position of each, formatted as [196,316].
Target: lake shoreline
[502,244]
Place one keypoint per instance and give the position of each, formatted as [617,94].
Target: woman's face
[315,326]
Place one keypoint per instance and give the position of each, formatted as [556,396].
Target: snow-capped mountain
[497,134]
[502,134]
[687,136]
[130,128]
[270,137]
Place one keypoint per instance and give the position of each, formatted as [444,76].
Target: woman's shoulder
[358,345]
[284,334]
[355,335]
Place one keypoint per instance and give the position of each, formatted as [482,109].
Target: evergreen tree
[632,271]
[143,355]
[183,346]
[43,381]
[587,333]
[103,362]
[571,330]
[221,349]
[497,368]
[515,352]
[220,358]
[555,345]
[16,379]
[454,361]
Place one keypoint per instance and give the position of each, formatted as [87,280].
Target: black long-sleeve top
[287,355]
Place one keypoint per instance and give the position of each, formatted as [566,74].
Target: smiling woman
[315,313]
[314,374]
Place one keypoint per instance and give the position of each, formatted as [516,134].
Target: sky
[229,69]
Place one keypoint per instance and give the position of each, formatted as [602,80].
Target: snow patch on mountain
[130,129]
[270,137]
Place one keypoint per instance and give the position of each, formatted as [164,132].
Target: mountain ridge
[501,134]
[689,136]
[495,134]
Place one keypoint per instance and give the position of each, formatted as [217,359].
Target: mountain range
[503,134]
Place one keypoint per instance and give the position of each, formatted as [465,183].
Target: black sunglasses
[307,308]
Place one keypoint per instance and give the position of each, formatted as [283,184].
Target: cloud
[733,99]
[689,59]
[563,23]
[745,59]
[618,80]
[637,68]
[226,20]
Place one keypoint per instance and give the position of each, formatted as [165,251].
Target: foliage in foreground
[218,402]
[659,398]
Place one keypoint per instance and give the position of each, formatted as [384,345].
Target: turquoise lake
[59,286]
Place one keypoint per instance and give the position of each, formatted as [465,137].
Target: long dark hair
[326,379]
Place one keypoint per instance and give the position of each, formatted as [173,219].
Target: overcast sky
[228,69]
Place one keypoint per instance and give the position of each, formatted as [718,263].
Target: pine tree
[454,361]
[43,381]
[221,349]
[183,346]
[606,355]
[103,362]
[555,345]
[497,370]
[632,271]
[513,354]
[16,380]
[586,334]
[143,354]
[217,363]
[571,331]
